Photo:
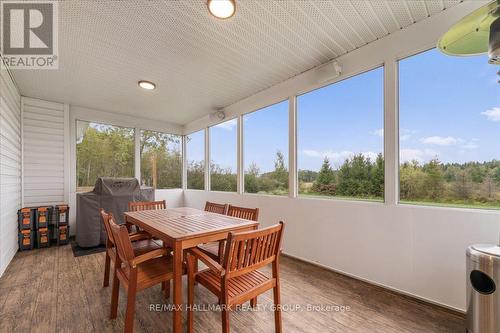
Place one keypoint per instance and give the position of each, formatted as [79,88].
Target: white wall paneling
[10,166]
[45,152]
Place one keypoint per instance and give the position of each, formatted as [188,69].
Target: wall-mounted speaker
[327,72]
[217,116]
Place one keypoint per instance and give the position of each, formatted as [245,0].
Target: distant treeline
[471,183]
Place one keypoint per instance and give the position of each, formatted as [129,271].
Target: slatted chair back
[134,206]
[122,241]
[243,213]
[105,220]
[213,207]
[248,251]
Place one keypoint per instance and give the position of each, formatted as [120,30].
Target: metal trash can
[483,282]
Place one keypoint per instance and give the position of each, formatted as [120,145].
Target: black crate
[62,215]
[26,240]
[42,238]
[43,216]
[62,234]
[26,218]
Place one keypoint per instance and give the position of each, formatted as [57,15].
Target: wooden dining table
[183,228]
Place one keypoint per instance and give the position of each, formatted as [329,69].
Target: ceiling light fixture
[222,9]
[147,85]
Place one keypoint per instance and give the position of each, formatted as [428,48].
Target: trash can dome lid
[490,249]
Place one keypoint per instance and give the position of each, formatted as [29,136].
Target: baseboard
[445,307]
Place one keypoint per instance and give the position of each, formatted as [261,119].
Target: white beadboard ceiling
[198,62]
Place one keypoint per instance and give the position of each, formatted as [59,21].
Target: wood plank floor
[49,290]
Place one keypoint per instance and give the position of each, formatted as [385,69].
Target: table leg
[177,297]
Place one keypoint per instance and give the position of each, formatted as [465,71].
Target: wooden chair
[214,249]
[142,243]
[213,207]
[238,279]
[136,273]
[251,214]
[134,206]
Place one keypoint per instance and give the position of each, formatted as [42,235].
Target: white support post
[240,169]
[184,161]
[292,148]
[207,159]
[67,154]
[137,154]
[21,121]
[391,132]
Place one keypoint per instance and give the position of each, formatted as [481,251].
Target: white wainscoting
[417,250]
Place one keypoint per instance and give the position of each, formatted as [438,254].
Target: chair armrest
[212,264]
[139,235]
[148,256]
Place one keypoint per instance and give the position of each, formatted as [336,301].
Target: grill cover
[112,194]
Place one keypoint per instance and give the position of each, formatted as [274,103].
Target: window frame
[182,152]
[422,205]
[110,120]
[208,155]
[242,149]
[383,66]
[204,130]
[79,119]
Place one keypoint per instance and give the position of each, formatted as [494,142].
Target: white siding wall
[10,167]
[45,130]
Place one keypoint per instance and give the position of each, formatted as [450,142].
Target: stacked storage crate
[39,225]
[26,221]
[43,218]
[62,226]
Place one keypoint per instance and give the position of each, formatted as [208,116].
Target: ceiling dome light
[147,85]
[222,9]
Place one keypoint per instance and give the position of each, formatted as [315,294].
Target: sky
[449,109]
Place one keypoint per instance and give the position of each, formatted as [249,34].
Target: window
[266,150]
[223,156]
[340,139]
[161,160]
[449,127]
[102,151]
[195,160]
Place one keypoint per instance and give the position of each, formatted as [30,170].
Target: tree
[496,175]
[477,173]
[307,176]
[103,151]
[434,179]
[251,178]
[377,177]
[411,181]
[280,174]
[325,181]
[461,185]
[161,159]
[196,175]
[354,177]
[222,179]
